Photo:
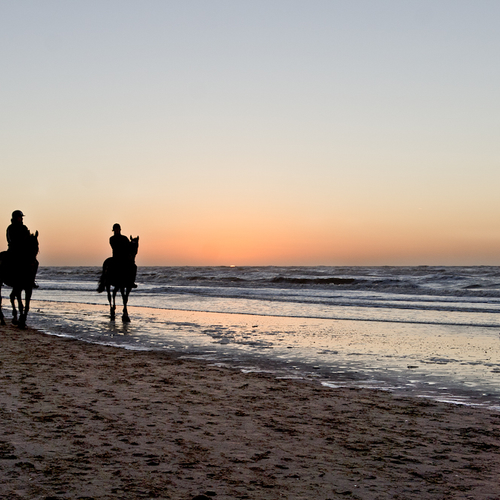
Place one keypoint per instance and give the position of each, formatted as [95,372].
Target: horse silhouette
[19,273]
[120,274]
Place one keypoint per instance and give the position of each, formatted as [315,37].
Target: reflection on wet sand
[433,360]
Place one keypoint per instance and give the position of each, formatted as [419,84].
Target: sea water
[421,331]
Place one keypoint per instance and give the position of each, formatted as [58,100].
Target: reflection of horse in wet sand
[121,276]
[19,273]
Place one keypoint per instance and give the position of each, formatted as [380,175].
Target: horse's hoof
[15,322]
[2,322]
[125,319]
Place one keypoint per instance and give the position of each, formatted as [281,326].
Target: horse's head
[134,245]
[32,246]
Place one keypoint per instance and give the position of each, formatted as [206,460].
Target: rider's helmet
[16,214]
[117,227]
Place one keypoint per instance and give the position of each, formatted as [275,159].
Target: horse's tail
[105,278]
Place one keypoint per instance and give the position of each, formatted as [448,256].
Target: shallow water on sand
[455,363]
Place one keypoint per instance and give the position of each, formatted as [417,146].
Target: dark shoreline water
[427,295]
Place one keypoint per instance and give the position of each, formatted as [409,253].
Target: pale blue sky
[351,131]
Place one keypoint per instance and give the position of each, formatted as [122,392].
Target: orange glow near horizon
[272,246]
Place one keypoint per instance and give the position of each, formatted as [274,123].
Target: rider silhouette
[17,234]
[17,240]
[120,245]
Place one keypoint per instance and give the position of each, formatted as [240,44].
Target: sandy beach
[83,421]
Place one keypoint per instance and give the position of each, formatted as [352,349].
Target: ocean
[430,332]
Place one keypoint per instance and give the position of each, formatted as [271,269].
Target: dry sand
[82,421]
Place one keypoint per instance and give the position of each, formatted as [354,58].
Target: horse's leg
[115,291]
[125,294]
[24,314]
[13,302]
[2,319]
[111,303]
[20,306]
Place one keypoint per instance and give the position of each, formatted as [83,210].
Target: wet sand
[83,421]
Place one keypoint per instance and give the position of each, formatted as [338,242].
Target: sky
[256,132]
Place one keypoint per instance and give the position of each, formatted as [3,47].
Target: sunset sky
[232,132]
